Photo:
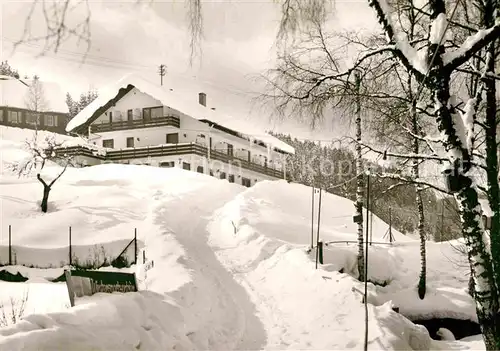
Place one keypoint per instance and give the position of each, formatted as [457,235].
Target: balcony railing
[170,150]
[136,123]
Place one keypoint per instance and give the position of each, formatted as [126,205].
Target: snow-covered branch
[404,156]
[407,180]
[403,50]
[470,46]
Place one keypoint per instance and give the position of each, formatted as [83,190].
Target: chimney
[202,99]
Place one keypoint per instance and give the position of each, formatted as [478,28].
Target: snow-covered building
[136,121]
[16,102]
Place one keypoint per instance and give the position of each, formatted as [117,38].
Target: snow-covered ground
[231,266]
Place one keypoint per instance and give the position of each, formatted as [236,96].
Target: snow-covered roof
[13,93]
[180,102]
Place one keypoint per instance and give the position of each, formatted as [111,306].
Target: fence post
[390,225]
[135,245]
[320,252]
[70,253]
[10,245]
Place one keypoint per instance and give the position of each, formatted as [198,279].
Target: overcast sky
[126,36]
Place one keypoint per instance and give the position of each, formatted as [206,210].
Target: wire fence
[119,253]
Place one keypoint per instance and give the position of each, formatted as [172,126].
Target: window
[157,112]
[55,120]
[109,143]
[1,115]
[110,114]
[152,112]
[14,117]
[169,164]
[186,166]
[48,120]
[230,149]
[222,175]
[130,115]
[199,169]
[231,178]
[245,182]
[130,142]
[173,138]
[32,118]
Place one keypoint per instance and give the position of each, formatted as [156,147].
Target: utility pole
[162,71]
[312,219]
[442,220]
[366,262]
[318,245]
[390,225]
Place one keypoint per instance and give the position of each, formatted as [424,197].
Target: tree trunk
[493,188]
[420,205]
[45,198]
[359,188]
[477,241]
[478,251]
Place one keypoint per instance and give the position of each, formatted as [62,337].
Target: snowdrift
[263,236]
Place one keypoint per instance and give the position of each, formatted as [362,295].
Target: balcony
[170,150]
[172,121]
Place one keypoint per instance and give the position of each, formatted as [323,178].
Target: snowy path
[218,310]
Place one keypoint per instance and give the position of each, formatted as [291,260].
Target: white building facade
[137,122]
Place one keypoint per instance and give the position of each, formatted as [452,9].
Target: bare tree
[41,153]
[35,100]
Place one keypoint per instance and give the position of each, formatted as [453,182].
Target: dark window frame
[167,164]
[19,116]
[130,139]
[246,182]
[46,119]
[171,134]
[104,141]
[149,113]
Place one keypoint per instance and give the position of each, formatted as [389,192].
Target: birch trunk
[420,206]
[359,188]
[492,175]
[477,241]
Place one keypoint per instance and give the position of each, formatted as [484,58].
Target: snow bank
[439,302]
[129,321]
[34,273]
[283,211]
[302,308]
